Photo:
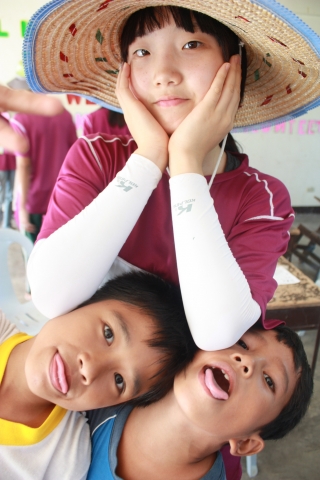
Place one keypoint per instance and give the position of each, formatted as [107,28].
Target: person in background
[24,102]
[105,121]
[49,139]
[7,174]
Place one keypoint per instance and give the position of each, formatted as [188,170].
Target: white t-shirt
[60,449]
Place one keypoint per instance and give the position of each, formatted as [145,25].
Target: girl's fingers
[224,94]
[131,107]
[123,76]
[126,97]
[230,96]
[150,137]
[216,89]
[123,82]
[215,113]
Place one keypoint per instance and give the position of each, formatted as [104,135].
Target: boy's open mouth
[217,381]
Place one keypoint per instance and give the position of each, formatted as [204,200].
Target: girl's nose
[166,72]
[245,363]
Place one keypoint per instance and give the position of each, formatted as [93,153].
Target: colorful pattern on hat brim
[68,44]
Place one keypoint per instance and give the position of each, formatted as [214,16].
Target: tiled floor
[296,457]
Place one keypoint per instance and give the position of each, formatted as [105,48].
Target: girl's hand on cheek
[150,137]
[208,123]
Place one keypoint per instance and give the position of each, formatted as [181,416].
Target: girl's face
[172,70]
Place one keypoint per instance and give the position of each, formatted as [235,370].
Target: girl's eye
[193,44]
[269,381]
[242,344]
[119,381]
[141,52]
[108,334]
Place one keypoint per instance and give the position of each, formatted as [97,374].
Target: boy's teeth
[225,374]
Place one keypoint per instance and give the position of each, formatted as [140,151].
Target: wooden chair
[306,251]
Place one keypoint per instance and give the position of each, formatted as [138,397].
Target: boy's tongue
[212,385]
[60,374]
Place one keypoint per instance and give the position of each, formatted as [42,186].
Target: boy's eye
[141,52]
[242,344]
[193,44]
[108,334]
[119,381]
[269,381]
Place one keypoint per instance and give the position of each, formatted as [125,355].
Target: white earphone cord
[218,161]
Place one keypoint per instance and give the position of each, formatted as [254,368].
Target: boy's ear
[246,446]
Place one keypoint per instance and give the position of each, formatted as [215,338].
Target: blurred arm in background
[24,102]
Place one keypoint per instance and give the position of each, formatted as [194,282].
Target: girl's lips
[170,102]
[58,374]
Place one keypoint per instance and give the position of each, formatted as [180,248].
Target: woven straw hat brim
[72,46]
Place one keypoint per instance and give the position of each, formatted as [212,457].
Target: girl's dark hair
[116,119]
[153,18]
[231,145]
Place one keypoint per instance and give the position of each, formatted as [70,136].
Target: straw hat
[72,46]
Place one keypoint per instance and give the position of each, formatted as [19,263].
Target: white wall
[291,151]
[12,14]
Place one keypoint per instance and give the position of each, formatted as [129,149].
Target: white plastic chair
[25,315]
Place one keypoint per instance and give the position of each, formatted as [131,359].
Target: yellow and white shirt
[60,449]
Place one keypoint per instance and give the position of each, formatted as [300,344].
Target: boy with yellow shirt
[128,341]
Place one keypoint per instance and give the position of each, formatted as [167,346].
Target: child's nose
[245,363]
[88,367]
[166,72]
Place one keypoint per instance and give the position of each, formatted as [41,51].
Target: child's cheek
[140,85]
[140,79]
[203,83]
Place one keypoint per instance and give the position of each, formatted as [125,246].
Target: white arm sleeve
[216,295]
[67,268]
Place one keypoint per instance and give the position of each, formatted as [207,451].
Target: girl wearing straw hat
[210,219]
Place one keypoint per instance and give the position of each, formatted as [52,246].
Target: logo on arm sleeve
[126,185]
[183,207]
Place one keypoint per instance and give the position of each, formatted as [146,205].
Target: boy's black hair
[298,404]
[149,19]
[162,301]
